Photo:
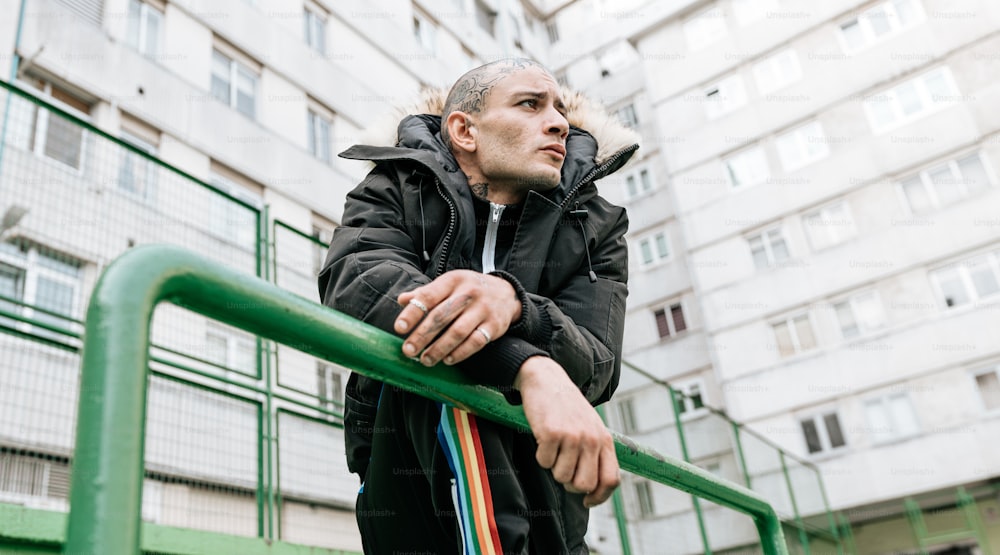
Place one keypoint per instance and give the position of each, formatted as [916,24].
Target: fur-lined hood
[581,112]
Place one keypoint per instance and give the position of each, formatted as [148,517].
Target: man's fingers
[586,477]
[546,453]
[461,332]
[609,478]
[438,318]
[418,302]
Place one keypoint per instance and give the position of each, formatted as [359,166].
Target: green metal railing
[107,474]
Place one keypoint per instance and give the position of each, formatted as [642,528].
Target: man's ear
[462,131]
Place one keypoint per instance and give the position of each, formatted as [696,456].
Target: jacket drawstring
[581,214]
[423,222]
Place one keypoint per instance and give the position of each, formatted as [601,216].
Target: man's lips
[558,149]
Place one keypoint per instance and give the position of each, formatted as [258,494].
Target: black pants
[443,482]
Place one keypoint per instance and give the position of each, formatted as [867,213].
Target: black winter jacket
[412,219]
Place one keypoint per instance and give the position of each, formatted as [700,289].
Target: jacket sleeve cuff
[534,326]
[496,365]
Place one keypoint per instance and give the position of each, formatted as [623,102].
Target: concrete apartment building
[815,246]
[814,235]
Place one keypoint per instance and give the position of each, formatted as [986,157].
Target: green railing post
[687,459]
[619,508]
[739,452]
[803,536]
[108,465]
[834,529]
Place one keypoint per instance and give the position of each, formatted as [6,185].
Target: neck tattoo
[481,190]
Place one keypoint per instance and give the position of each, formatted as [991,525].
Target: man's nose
[557,124]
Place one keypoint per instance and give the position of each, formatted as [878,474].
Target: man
[481,239]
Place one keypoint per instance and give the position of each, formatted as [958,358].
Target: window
[425,32]
[988,385]
[234,83]
[34,480]
[46,133]
[878,23]
[910,100]
[802,146]
[231,348]
[319,135]
[653,247]
[891,417]
[777,71]
[947,183]
[626,115]
[231,221]
[822,432]
[644,499]
[725,96]
[768,248]
[794,335]
[329,386]
[969,280]
[704,29]
[137,175]
[626,416]
[830,225]
[750,11]
[669,326]
[860,314]
[486,18]
[89,10]
[144,27]
[314,28]
[638,183]
[47,282]
[687,398]
[324,234]
[747,167]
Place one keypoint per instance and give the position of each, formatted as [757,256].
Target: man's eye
[530,102]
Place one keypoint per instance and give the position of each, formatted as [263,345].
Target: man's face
[521,133]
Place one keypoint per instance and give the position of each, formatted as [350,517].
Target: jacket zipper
[490,243]
[594,172]
[452,219]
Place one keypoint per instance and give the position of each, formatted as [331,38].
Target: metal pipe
[108,465]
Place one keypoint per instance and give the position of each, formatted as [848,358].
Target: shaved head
[470,92]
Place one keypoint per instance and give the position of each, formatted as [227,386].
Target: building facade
[814,244]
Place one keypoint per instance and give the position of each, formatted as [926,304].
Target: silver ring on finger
[418,304]
[485,333]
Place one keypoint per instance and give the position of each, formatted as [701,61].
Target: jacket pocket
[360,408]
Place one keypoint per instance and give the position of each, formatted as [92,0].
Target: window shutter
[661,323]
[90,10]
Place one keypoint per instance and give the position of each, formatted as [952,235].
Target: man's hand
[572,439]
[475,308]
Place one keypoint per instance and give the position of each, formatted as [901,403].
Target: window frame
[819,422]
[974,374]
[31,271]
[668,314]
[961,266]
[802,143]
[789,322]
[628,116]
[314,27]
[234,339]
[37,138]
[864,23]
[644,502]
[685,404]
[142,33]
[644,187]
[768,244]
[930,188]
[236,64]
[318,118]
[824,213]
[650,237]
[883,402]
[743,154]
[852,302]
[929,105]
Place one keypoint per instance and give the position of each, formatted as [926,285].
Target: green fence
[107,480]
[682,425]
[237,427]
